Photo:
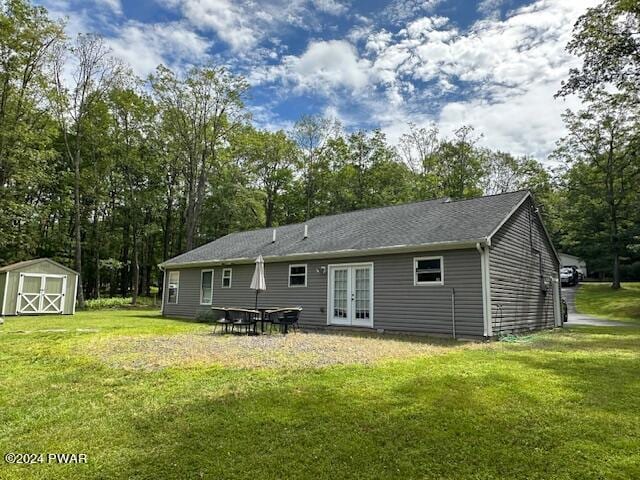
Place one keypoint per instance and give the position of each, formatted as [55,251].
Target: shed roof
[434,222]
[27,263]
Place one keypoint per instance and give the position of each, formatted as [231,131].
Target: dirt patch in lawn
[299,350]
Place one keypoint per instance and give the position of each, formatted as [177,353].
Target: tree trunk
[124,279]
[136,268]
[616,272]
[96,246]
[77,227]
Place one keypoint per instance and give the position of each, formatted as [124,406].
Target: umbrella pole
[256,299]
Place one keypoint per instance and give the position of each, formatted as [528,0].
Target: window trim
[201,285]
[230,270]
[177,272]
[306,271]
[415,273]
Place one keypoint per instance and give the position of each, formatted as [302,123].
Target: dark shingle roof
[429,222]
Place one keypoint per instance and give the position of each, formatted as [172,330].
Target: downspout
[164,277]
[486,288]
[453,311]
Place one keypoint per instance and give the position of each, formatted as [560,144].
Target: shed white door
[41,293]
[351,295]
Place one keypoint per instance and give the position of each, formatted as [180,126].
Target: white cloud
[244,24]
[504,72]
[529,123]
[324,66]
[332,7]
[145,46]
[114,5]
[228,19]
[400,11]
[490,8]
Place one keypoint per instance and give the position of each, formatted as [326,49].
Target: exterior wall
[43,267]
[517,299]
[398,304]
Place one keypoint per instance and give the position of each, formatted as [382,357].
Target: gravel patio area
[297,350]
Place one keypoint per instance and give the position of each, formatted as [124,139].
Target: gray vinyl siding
[398,304]
[517,299]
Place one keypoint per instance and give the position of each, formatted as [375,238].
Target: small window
[297,275]
[226,278]
[206,287]
[428,271]
[173,285]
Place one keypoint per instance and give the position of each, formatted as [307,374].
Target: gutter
[452,245]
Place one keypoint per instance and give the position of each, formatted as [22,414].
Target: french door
[41,293]
[351,294]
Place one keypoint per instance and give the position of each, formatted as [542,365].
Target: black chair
[224,320]
[244,318]
[285,318]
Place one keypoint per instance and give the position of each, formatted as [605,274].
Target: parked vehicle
[568,276]
[579,271]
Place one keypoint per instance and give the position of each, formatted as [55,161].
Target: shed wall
[518,302]
[43,267]
[399,305]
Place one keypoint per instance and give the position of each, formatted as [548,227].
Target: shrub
[119,303]
[206,316]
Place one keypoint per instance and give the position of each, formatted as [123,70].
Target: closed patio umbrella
[258,283]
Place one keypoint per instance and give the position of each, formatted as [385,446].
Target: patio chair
[244,318]
[224,320]
[285,318]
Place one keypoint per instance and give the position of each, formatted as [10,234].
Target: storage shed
[36,287]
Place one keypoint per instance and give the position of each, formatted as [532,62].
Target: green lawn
[601,300]
[561,405]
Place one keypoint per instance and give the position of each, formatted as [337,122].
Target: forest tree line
[112,174]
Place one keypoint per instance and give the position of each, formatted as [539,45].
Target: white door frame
[350,321]
[38,302]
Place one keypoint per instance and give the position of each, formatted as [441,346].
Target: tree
[311,133]
[271,159]
[200,111]
[419,150]
[27,153]
[461,165]
[602,149]
[94,71]
[506,173]
[607,39]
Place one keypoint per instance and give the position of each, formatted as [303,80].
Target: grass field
[560,405]
[600,300]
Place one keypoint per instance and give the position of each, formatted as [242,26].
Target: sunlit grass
[561,405]
[601,300]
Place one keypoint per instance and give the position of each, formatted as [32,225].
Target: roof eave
[451,245]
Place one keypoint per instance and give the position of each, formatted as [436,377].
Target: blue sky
[491,64]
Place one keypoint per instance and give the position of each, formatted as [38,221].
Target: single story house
[567,260]
[469,268]
[36,287]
